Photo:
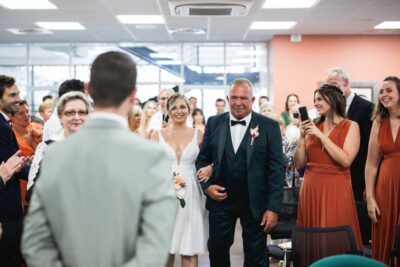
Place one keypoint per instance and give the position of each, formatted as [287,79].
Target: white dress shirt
[238,131]
[155,123]
[52,127]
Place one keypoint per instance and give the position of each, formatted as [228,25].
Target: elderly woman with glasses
[72,109]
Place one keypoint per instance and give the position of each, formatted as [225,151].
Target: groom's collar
[247,118]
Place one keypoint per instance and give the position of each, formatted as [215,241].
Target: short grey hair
[74,95]
[241,81]
[266,105]
[341,73]
[167,90]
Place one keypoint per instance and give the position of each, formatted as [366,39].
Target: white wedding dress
[190,233]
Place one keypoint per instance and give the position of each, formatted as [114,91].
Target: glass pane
[19,73]
[49,75]
[145,92]
[209,96]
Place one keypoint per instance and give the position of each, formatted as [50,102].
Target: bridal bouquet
[179,185]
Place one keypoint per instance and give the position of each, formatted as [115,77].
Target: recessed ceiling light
[29,31]
[272,25]
[61,25]
[195,31]
[388,25]
[27,4]
[140,19]
[273,4]
[145,26]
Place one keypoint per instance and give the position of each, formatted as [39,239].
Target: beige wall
[299,67]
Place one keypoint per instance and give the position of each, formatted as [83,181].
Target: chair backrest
[289,204]
[312,244]
[395,253]
[346,261]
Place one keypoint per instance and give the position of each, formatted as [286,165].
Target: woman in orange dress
[327,148]
[383,201]
[28,137]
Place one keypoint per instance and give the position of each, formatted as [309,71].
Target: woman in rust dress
[327,148]
[384,200]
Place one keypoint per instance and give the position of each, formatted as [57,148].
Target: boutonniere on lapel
[254,134]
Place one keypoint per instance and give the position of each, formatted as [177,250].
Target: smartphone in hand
[303,113]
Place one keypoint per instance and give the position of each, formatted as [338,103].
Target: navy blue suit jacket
[10,196]
[265,169]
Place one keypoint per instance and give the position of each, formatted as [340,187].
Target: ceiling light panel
[140,19]
[272,25]
[388,25]
[275,4]
[27,4]
[73,26]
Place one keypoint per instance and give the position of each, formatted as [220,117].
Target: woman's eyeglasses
[71,113]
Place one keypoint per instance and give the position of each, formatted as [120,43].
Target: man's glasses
[71,113]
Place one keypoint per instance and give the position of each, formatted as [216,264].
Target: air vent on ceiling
[215,8]
[33,31]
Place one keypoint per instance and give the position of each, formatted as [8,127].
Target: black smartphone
[165,117]
[303,113]
[296,115]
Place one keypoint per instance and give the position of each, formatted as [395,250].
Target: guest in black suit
[245,149]
[10,196]
[359,110]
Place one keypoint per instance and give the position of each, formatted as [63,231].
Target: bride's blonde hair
[173,99]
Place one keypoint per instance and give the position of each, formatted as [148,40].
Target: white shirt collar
[247,118]
[5,115]
[110,116]
[349,99]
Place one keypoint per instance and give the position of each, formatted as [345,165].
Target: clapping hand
[204,173]
[11,166]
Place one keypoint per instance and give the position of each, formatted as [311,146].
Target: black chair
[286,222]
[395,253]
[312,244]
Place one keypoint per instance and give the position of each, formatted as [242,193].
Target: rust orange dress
[326,197]
[387,194]
[26,151]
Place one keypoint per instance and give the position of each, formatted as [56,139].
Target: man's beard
[11,108]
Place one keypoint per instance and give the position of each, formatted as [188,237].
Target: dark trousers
[222,230]
[10,253]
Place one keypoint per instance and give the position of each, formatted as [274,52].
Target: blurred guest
[266,109]
[28,137]
[383,196]
[262,100]
[134,118]
[293,129]
[138,102]
[36,121]
[328,147]
[360,111]
[161,118]
[192,103]
[291,100]
[53,126]
[47,97]
[11,211]
[149,109]
[220,105]
[199,121]
[45,110]
[72,109]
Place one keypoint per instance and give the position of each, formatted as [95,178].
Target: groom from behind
[245,149]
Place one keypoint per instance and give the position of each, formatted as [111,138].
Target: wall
[299,67]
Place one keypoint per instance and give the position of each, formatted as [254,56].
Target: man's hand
[216,192]
[269,220]
[11,166]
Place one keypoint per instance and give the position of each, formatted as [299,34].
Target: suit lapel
[250,148]
[353,107]
[222,135]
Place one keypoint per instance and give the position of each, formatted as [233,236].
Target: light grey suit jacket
[105,198]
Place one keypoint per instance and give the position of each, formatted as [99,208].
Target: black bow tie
[233,123]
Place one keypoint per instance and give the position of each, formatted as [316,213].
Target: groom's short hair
[241,81]
[112,78]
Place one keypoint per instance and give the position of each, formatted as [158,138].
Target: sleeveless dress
[326,196]
[190,233]
[387,194]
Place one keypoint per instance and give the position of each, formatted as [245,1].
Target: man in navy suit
[359,110]
[10,196]
[245,149]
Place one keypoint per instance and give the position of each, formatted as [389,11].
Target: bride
[181,143]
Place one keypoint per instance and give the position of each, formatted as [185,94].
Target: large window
[203,70]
